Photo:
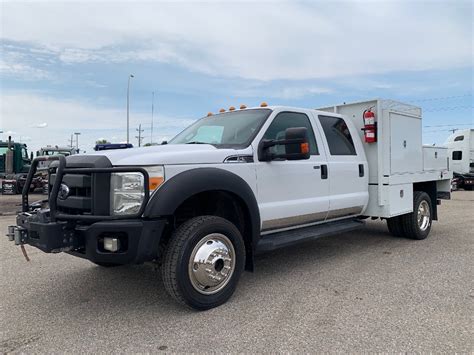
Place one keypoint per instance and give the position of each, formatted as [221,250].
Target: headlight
[127,190]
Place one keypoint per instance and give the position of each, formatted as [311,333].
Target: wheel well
[430,188]
[216,203]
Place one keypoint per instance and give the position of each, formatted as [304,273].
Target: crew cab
[238,183]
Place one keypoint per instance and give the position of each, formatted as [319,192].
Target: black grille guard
[61,170]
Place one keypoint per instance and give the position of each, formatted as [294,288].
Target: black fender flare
[182,186]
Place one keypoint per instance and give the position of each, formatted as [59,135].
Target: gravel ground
[363,291]
[10,204]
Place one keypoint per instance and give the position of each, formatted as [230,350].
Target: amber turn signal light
[155,182]
[304,148]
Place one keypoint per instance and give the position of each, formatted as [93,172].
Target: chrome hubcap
[423,215]
[212,263]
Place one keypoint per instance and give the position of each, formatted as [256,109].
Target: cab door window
[24,154]
[337,135]
[285,120]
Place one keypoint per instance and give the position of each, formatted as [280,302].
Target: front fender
[179,188]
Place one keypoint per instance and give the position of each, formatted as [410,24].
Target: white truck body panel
[398,158]
[435,158]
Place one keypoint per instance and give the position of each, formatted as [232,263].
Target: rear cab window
[337,135]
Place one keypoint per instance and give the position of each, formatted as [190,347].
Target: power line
[461,107]
[441,130]
[441,98]
[449,125]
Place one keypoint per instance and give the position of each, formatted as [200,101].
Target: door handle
[361,170]
[324,171]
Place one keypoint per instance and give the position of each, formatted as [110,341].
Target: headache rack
[56,175]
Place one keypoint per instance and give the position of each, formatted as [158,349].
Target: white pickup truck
[237,183]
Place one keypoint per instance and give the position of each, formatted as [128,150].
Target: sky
[65,66]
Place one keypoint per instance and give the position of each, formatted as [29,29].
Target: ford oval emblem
[63,192]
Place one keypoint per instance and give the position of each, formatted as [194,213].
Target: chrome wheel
[212,263]
[423,215]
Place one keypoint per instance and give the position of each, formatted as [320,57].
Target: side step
[277,240]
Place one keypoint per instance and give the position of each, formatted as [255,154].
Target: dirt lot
[363,291]
[10,204]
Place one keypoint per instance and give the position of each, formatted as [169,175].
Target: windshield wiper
[196,142]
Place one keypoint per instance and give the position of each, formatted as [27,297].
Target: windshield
[56,152]
[230,129]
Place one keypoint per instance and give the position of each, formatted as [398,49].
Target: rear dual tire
[417,224]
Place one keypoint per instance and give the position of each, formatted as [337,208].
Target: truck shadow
[132,290]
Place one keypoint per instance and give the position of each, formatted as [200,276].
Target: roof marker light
[263,104]
[243,107]
[222,110]
[232,108]
[209,114]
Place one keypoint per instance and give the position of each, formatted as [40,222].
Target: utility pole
[152,108]
[139,137]
[128,107]
[71,141]
[77,141]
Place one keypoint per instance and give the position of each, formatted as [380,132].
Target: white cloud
[22,70]
[286,92]
[68,116]
[40,125]
[265,40]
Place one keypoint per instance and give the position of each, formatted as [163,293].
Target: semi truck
[238,183]
[50,150]
[461,151]
[15,163]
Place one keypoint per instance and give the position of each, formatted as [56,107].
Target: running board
[278,240]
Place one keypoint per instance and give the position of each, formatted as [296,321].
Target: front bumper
[139,239]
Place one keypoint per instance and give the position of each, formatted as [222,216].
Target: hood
[171,154]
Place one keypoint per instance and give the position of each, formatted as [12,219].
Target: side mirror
[296,146]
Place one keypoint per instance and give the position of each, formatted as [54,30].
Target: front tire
[203,262]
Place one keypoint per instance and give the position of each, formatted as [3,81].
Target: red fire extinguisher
[370,127]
